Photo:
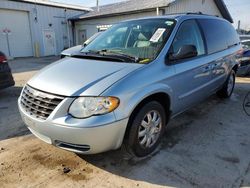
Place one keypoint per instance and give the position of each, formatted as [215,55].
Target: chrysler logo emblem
[246,104]
[35,93]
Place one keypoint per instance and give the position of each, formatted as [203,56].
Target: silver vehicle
[126,84]
[70,51]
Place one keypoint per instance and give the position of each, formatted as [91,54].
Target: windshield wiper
[94,55]
[106,52]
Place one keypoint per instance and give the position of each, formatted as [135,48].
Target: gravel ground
[207,146]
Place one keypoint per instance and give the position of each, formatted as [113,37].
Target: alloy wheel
[150,129]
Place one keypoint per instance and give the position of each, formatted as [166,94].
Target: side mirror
[84,45]
[186,51]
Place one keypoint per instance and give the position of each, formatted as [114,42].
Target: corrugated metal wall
[204,6]
[45,18]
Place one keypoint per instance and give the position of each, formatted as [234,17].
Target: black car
[6,79]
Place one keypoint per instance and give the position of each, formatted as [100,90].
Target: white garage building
[36,27]
[87,24]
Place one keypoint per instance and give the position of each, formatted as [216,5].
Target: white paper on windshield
[157,35]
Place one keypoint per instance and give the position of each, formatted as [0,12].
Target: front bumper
[78,135]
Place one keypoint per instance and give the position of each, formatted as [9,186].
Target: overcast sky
[239,9]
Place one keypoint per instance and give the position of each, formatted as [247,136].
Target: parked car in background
[6,79]
[127,83]
[68,52]
[244,37]
[245,44]
[244,59]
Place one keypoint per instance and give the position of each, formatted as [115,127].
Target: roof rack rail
[200,13]
[190,13]
[194,13]
[177,13]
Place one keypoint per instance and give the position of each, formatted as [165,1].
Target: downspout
[68,31]
[73,32]
[157,11]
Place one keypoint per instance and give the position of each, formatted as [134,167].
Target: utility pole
[238,25]
[97,5]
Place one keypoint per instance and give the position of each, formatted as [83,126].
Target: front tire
[227,89]
[147,128]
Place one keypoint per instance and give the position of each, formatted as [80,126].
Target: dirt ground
[207,146]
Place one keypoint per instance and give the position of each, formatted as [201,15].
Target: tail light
[3,59]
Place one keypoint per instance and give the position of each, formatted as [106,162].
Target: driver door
[191,82]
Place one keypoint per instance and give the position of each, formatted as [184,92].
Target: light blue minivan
[127,83]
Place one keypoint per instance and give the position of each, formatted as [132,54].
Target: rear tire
[228,87]
[146,130]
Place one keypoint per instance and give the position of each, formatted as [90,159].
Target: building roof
[124,7]
[223,10]
[55,4]
[131,6]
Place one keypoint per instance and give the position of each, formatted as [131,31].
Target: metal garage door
[15,28]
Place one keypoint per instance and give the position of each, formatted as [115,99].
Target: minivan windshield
[137,41]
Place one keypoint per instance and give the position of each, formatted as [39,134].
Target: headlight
[84,107]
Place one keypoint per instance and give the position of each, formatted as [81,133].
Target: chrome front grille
[39,104]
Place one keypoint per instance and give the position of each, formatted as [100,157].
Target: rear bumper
[6,79]
[81,138]
[243,70]
[244,66]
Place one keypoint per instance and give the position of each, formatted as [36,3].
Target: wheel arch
[161,97]
[235,68]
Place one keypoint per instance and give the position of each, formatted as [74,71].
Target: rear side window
[233,37]
[219,34]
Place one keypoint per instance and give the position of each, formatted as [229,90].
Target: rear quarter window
[219,34]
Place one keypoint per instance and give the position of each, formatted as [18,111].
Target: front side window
[142,39]
[188,34]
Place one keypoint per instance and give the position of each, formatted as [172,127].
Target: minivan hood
[80,77]
[72,50]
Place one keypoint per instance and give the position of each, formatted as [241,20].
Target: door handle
[206,69]
[213,66]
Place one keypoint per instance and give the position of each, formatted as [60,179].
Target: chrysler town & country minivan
[127,83]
